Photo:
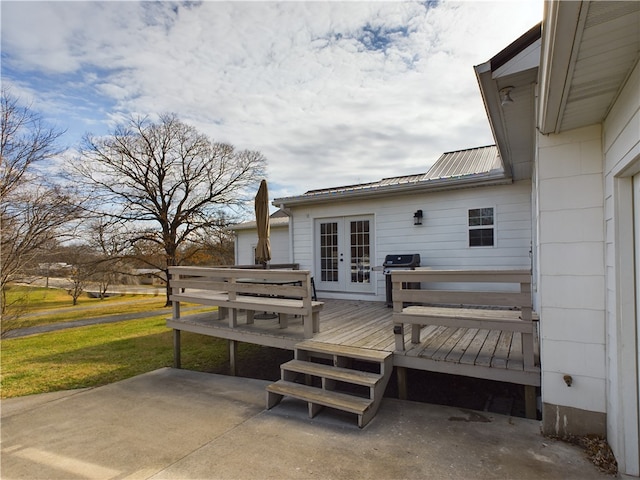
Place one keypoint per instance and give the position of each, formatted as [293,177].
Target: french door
[343,254]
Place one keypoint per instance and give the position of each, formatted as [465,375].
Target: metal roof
[473,161]
[451,170]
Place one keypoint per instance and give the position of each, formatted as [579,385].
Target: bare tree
[216,248]
[33,211]
[167,182]
[110,250]
[24,141]
[81,260]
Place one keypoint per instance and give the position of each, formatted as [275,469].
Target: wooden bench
[490,300]
[285,292]
[424,297]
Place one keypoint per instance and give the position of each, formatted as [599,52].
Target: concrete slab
[172,424]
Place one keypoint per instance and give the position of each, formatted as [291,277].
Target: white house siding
[621,138]
[442,239]
[302,237]
[246,241]
[571,281]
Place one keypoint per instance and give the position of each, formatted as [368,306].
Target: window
[481,227]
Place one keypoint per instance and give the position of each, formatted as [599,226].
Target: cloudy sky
[332,93]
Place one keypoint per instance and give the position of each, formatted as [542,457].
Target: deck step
[326,395]
[344,350]
[346,375]
[326,398]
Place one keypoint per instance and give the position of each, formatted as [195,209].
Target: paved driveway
[178,424]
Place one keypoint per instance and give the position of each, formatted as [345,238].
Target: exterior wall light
[505,96]
[417,217]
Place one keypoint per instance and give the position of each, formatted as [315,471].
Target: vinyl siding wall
[571,269]
[442,239]
[246,241]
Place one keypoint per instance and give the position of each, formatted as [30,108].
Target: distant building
[149,276]
[247,239]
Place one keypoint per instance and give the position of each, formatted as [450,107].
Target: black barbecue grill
[407,261]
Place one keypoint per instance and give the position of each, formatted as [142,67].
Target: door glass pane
[329,252]
[360,250]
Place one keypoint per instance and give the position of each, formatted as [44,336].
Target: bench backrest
[282,283]
[463,288]
[271,266]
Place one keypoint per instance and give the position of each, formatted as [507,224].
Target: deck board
[488,348]
[499,360]
[456,354]
[471,352]
[515,362]
[445,349]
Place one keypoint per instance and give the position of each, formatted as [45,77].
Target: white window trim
[494,227]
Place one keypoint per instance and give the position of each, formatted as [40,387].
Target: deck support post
[233,355]
[530,402]
[401,374]
[176,348]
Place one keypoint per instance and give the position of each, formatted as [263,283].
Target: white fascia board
[493,107]
[282,222]
[561,28]
[436,185]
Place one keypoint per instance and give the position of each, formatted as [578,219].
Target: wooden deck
[478,353]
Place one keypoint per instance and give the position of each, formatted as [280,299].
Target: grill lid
[402,260]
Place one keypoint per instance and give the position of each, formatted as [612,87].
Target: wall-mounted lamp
[417,217]
[505,96]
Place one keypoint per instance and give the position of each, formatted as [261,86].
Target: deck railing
[493,300]
[285,292]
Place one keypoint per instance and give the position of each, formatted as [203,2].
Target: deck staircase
[345,378]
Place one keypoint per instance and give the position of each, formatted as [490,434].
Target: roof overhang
[279,222]
[589,49]
[513,124]
[432,185]
[560,36]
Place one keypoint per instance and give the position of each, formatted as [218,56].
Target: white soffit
[588,52]
[527,59]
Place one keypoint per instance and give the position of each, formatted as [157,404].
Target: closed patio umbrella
[263,249]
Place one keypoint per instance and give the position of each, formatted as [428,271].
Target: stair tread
[347,375]
[344,350]
[327,398]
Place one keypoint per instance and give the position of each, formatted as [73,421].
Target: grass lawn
[101,354]
[44,306]
[36,299]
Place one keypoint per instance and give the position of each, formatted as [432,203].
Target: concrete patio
[179,424]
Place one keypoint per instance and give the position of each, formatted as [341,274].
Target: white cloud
[331,92]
